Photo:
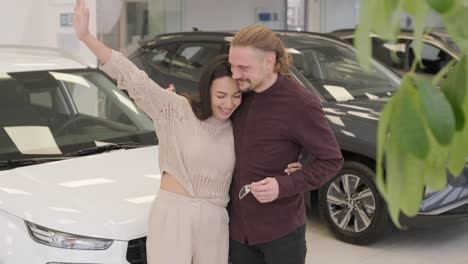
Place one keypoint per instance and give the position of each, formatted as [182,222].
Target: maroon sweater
[270,130]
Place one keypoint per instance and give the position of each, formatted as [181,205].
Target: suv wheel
[351,205]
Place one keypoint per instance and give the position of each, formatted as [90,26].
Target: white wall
[209,15]
[165,16]
[329,15]
[339,14]
[37,23]
[313,15]
[18,25]
[296,15]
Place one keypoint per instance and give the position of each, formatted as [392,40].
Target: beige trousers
[184,230]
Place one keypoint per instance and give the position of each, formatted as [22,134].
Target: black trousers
[290,249]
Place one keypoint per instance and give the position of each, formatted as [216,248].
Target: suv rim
[351,203]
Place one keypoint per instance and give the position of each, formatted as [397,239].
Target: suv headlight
[59,239]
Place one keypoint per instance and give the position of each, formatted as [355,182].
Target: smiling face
[251,67]
[225,97]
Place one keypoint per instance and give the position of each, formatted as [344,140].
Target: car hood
[355,124]
[105,195]
[357,110]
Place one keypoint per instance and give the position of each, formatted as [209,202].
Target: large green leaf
[418,10]
[435,177]
[435,173]
[441,6]
[455,21]
[415,7]
[382,135]
[412,170]
[437,111]
[421,131]
[459,147]
[419,25]
[394,179]
[407,124]
[460,118]
[458,152]
[455,87]
[385,19]
[362,41]
[443,73]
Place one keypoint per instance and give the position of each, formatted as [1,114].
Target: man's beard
[246,85]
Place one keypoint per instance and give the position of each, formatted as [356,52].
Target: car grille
[136,251]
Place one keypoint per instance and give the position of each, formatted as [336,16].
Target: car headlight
[59,239]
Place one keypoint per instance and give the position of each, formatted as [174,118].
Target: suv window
[43,99]
[335,72]
[385,52]
[90,100]
[160,57]
[433,58]
[191,59]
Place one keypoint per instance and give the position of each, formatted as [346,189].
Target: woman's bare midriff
[170,184]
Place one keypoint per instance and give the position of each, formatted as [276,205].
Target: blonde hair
[262,38]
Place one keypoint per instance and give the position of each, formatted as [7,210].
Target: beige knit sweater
[199,154]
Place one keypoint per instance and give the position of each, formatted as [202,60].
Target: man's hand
[266,190]
[292,167]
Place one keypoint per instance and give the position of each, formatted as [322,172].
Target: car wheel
[352,206]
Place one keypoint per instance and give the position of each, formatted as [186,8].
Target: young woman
[188,220]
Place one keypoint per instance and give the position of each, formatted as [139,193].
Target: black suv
[437,50]
[351,98]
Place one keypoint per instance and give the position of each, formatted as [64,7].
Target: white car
[78,163]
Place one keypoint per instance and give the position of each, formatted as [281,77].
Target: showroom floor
[429,245]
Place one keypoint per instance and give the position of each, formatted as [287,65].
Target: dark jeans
[290,249]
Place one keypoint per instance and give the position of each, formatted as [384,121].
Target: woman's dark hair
[218,67]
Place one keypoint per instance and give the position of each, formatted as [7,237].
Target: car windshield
[335,72]
[53,113]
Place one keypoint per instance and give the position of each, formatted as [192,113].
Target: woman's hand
[81,20]
[292,167]
[171,88]
[81,25]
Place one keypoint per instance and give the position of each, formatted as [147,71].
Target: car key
[244,191]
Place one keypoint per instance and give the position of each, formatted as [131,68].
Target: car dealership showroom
[240,132]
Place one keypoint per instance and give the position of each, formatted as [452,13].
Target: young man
[276,120]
